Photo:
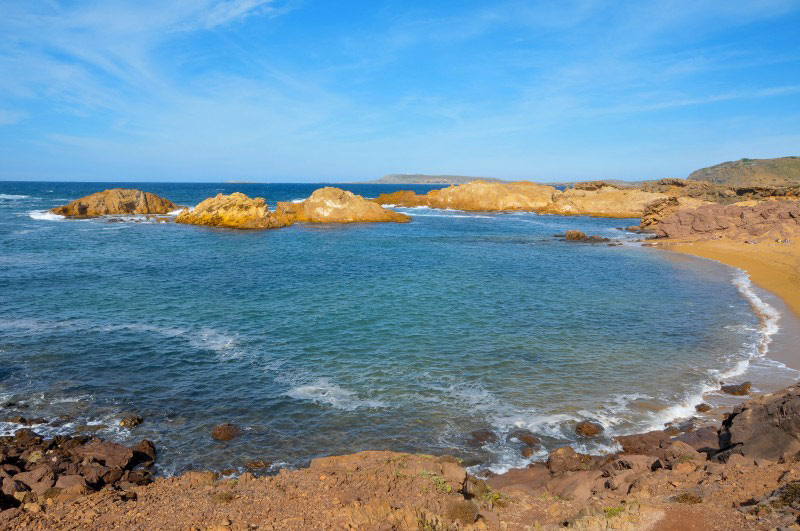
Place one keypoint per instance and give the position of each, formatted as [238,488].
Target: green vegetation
[611,512]
[687,497]
[438,481]
[790,494]
[784,171]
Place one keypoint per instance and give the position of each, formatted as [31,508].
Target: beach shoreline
[772,267]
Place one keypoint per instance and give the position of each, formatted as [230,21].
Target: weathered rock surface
[333,205]
[578,236]
[766,220]
[326,205]
[767,427]
[657,211]
[225,432]
[742,389]
[234,211]
[477,196]
[116,201]
[606,201]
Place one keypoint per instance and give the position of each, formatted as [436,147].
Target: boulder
[106,453]
[578,486]
[703,408]
[333,205]
[116,201]
[225,432]
[767,427]
[586,428]
[705,440]
[737,390]
[650,443]
[574,235]
[144,452]
[679,452]
[71,480]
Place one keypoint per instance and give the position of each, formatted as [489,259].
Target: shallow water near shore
[327,339]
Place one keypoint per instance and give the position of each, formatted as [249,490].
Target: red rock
[225,432]
[588,429]
[107,453]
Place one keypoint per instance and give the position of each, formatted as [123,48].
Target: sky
[324,91]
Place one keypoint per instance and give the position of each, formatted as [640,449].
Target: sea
[323,339]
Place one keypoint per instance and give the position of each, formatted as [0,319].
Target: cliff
[116,201]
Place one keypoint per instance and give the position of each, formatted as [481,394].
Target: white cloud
[11,117]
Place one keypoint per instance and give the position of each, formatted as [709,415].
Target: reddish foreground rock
[116,201]
[766,220]
[744,475]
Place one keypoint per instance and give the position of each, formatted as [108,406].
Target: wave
[45,215]
[13,197]
[177,211]
[768,316]
[325,393]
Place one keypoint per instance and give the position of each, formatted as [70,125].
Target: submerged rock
[225,432]
[116,201]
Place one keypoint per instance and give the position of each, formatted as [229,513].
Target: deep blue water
[324,339]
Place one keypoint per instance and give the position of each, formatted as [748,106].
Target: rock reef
[601,200]
[116,201]
[325,205]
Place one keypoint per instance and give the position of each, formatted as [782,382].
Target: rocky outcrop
[478,196]
[333,205]
[116,201]
[604,201]
[586,199]
[234,211]
[34,470]
[767,427]
[766,220]
[657,211]
[326,205]
[750,172]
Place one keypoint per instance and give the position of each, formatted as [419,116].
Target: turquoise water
[325,339]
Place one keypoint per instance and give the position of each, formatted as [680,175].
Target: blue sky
[293,90]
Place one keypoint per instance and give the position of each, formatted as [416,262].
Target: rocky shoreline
[747,468]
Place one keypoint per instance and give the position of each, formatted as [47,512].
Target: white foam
[298,200]
[12,197]
[177,211]
[767,315]
[326,393]
[44,215]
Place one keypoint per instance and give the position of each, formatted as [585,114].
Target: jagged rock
[477,196]
[574,235]
[325,205]
[116,201]
[767,427]
[656,212]
[235,211]
[705,440]
[703,408]
[144,452]
[605,201]
[679,452]
[577,486]
[588,429]
[333,205]
[738,389]
[533,478]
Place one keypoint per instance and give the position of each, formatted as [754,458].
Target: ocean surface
[328,339]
